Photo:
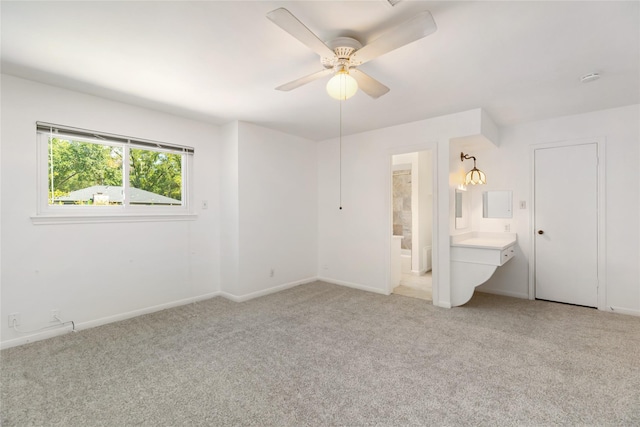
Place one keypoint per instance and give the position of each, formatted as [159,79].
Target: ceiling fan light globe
[342,86]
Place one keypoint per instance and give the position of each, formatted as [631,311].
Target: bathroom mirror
[497,204]
[462,209]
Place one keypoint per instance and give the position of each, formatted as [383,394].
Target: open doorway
[412,223]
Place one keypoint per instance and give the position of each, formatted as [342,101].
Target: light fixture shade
[475,177]
[342,86]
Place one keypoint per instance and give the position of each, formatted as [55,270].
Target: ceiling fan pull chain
[340,156]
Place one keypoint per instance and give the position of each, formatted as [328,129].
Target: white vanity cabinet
[474,258]
[483,250]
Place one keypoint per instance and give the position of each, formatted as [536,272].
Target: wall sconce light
[475,176]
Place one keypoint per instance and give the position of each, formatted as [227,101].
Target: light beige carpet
[325,355]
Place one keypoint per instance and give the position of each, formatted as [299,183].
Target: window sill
[91,219]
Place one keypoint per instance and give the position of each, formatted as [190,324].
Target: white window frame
[52,214]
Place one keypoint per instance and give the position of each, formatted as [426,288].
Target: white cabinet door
[566,224]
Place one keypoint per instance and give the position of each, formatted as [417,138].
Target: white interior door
[566,224]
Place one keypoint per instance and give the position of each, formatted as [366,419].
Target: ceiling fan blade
[368,84]
[285,20]
[304,80]
[414,29]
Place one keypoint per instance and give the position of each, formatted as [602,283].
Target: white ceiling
[220,61]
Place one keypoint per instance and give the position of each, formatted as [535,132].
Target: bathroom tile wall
[402,206]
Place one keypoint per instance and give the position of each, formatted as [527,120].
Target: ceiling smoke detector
[589,77]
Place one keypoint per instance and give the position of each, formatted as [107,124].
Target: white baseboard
[38,336]
[620,310]
[353,285]
[504,293]
[252,295]
[50,333]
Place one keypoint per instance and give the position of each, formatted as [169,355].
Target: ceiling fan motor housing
[343,47]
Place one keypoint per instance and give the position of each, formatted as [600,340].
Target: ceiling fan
[343,55]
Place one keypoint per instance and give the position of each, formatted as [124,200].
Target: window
[85,173]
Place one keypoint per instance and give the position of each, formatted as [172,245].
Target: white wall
[354,242]
[98,272]
[509,168]
[473,146]
[261,188]
[229,207]
[457,172]
[273,204]
[278,213]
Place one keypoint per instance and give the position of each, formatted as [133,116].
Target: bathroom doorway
[412,224]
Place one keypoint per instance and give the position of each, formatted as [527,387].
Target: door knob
[540,232]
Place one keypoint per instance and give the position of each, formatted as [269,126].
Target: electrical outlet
[54,314]
[507,227]
[272,273]
[14,320]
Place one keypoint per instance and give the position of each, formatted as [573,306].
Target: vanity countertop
[484,240]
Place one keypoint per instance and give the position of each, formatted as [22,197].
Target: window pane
[155,178]
[84,173]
